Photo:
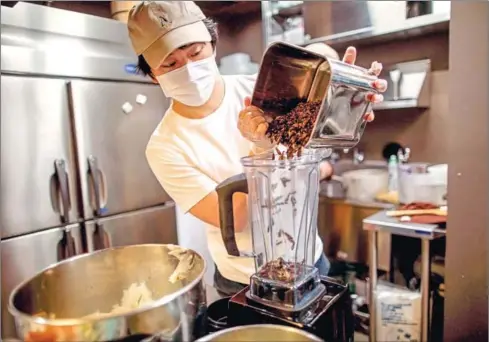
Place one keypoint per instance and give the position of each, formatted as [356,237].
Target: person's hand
[253,125]
[325,170]
[375,69]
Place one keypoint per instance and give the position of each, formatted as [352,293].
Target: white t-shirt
[190,157]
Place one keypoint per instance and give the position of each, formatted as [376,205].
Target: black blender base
[331,320]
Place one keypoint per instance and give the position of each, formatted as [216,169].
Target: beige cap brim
[193,33]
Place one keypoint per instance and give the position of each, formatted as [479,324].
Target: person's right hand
[252,124]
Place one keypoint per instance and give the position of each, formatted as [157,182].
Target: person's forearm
[257,150]
[261,147]
[240,210]
[207,210]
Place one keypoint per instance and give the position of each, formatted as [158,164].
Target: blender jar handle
[225,191]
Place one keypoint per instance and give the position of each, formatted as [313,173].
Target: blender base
[299,312]
[330,318]
[294,296]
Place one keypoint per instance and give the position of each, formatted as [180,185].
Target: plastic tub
[417,184]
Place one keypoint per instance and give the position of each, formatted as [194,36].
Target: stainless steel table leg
[425,288]
[372,237]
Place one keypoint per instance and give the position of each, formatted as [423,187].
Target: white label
[127,108]
[141,99]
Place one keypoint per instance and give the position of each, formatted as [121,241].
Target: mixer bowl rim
[16,313]
[260,326]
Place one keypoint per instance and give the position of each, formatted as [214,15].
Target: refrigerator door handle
[71,243]
[90,233]
[104,238]
[97,186]
[76,239]
[63,189]
[97,237]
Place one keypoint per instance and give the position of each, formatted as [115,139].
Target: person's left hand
[375,69]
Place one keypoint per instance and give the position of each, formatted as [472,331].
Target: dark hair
[211,26]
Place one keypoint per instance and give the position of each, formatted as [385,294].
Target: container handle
[225,192]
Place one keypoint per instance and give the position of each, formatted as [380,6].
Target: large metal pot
[53,304]
[260,333]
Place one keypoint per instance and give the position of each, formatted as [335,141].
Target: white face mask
[191,84]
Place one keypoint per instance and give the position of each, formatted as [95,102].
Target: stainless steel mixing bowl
[260,333]
[51,306]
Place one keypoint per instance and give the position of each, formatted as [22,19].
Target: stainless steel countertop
[383,223]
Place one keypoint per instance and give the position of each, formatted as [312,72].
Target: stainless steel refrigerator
[75,121]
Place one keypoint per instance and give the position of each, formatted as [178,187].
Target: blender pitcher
[282,214]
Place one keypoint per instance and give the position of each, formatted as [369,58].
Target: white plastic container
[235,58]
[364,185]
[417,184]
[440,171]
[237,64]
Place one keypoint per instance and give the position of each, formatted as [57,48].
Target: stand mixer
[283,195]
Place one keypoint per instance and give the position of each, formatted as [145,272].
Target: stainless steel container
[260,333]
[290,74]
[53,305]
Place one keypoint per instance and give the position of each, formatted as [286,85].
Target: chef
[209,126]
